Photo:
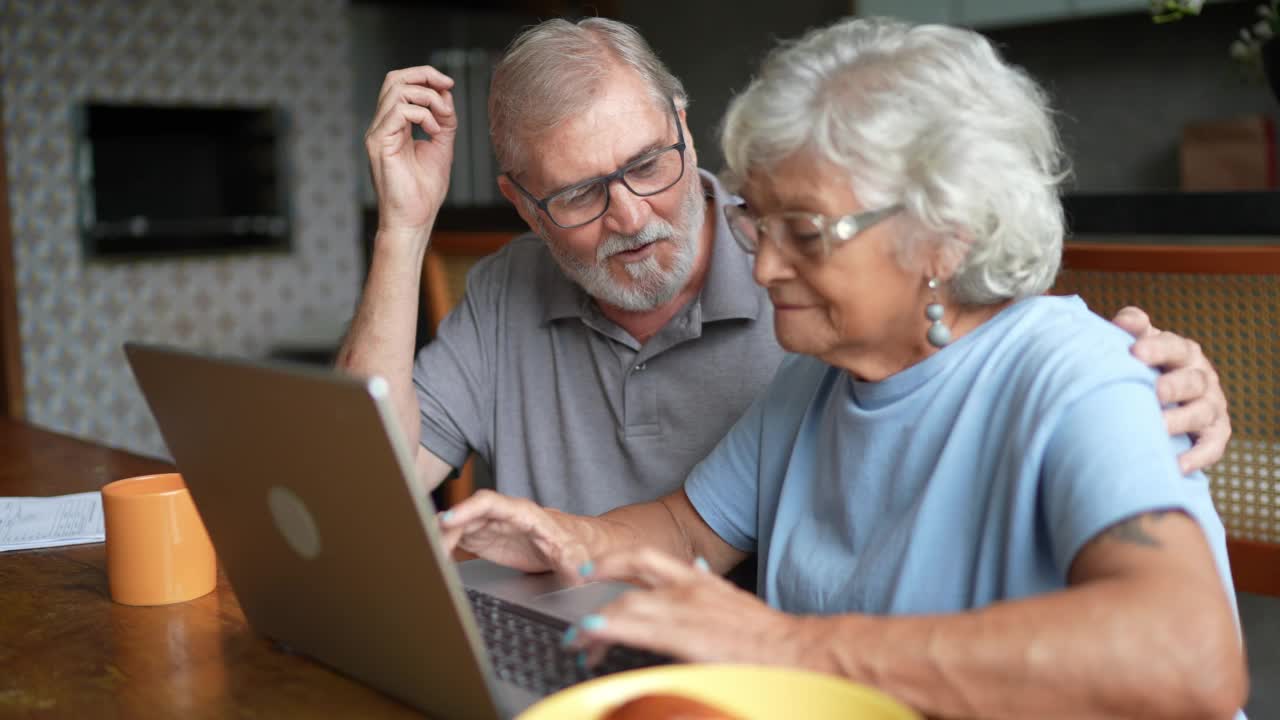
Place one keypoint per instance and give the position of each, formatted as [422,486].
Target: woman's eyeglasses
[800,233]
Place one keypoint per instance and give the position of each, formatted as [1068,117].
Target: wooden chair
[1227,298]
[444,275]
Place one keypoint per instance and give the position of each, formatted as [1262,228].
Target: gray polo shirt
[565,406]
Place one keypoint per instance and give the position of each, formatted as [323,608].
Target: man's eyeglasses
[582,203]
[800,233]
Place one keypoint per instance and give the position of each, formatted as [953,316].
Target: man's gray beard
[653,286]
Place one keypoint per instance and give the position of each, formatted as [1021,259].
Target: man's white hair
[555,69]
[930,117]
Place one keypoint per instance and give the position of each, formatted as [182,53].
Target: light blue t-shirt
[973,477]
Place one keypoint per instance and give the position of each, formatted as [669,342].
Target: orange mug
[158,551]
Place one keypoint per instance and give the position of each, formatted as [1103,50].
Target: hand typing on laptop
[662,547]
[516,533]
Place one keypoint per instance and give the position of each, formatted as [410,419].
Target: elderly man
[593,363]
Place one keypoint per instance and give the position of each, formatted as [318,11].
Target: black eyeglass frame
[618,175]
[834,230]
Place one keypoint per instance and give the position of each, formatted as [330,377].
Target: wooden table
[67,650]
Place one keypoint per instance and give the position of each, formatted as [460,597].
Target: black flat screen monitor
[167,180]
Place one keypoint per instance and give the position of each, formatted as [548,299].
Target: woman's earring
[939,334]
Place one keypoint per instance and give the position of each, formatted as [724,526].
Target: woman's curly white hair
[927,116]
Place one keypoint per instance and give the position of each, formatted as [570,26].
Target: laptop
[331,544]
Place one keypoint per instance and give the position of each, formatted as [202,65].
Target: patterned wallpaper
[75,314]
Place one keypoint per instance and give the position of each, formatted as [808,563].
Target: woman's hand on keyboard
[514,532]
[685,611]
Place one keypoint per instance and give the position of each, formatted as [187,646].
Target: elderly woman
[960,490]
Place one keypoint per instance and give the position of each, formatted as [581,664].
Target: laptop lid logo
[294,521]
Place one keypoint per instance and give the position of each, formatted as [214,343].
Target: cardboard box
[1231,154]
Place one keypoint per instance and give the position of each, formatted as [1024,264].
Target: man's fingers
[449,538]
[424,75]
[568,558]
[1208,449]
[454,536]
[483,504]
[1208,425]
[384,126]
[1190,419]
[446,110]
[423,117]
[1190,381]
[440,104]
[1170,350]
[1183,385]
[480,505]
[1134,321]
[646,567]
[393,129]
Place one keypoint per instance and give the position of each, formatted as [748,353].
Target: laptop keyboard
[524,646]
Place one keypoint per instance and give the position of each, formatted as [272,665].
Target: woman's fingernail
[569,635]
[701,563]
[447,516]
[587,568]
[581,660]
[592,622]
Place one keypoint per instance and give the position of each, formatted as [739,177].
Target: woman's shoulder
[1067,317]
[1059,339]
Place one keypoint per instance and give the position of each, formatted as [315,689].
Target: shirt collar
[565,298]
[727,293]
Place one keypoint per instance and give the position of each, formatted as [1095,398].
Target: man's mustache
[614,244]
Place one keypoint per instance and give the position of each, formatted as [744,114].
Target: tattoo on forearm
[1131,530]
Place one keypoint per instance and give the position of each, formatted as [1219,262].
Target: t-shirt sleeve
[1109,458]
[724,488]
[453,375]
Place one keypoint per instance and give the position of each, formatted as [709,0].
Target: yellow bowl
[748,691]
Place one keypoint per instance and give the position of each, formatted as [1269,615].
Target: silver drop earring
[939,334]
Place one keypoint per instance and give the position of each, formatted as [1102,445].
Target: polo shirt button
[640,366]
